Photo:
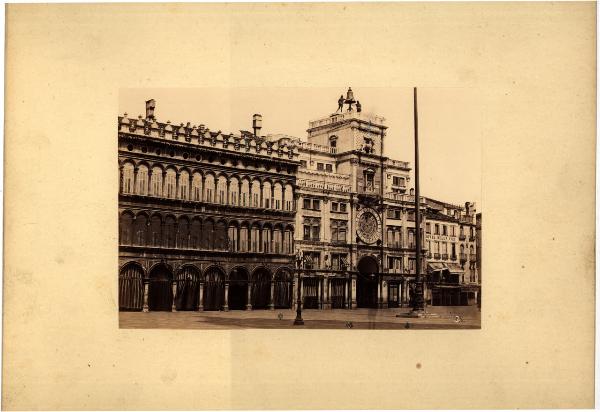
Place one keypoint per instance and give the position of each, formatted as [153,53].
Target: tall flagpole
[418,299]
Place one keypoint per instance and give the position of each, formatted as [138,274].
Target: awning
[435,267]
[455,269]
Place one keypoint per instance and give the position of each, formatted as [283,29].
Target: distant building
[215,221]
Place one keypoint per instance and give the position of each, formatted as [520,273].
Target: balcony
[463,257]
[453,257]
[466,219]
[461,237]
[444,256]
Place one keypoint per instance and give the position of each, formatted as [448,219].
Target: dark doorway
[310,288]
[188,288]
[366,284]
[338,293]
[393,295]
[261,289]
[131,288]
[283,290]
[238,289]
[214,289]
[160,290]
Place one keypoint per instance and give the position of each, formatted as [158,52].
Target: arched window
[183,233]
[155,231]
[288,197]
[244,239]
[170,183]
[220,236]
[245,193]
[255,194]
[233,191]
[197,187]
[254,239]
[266,240]
[209,188]
[142,180]
[277,241]
[208,233]
[222,190]
[184,185]
[128,178]
[156,182]
[169,232]
[195,233]
[278,196]
[267,195]
[232,238]
[140,229]
[126,228]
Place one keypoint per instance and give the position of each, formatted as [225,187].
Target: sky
[449,123]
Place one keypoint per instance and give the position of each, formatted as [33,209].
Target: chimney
[257,124]
[150,105]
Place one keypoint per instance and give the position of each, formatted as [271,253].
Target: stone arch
[131,287]
[238,288]
[188,287]
[126,228]
[155,230]
[160,290]
[183,232]
[283,290]
[367,282]
[214,288]
[142,179]
[261,287]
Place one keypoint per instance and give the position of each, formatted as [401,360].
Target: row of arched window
[204,234]
[195,186]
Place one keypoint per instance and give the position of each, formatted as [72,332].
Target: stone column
[353,292]
[385,294]
[145,307]
[379,293]
[149,182]
[249,298]
[177,185]
[135,173]
[271,299]
[120,179]
[164,178]
[201,297]
[174,287]
[225,305]
[326,303]
[319,290]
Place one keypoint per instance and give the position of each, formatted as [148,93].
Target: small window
[427,227]
[334,206]
[342,207]
[316,204]
[303,163]
[306,204]
[329,168]
[320,166]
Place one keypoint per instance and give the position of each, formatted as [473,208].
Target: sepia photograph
[272,223]
[299,206]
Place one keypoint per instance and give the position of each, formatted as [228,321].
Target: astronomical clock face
[368,225]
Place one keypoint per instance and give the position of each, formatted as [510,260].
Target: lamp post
[419,300]
[299,320]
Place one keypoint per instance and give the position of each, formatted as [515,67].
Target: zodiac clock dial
[368,224]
